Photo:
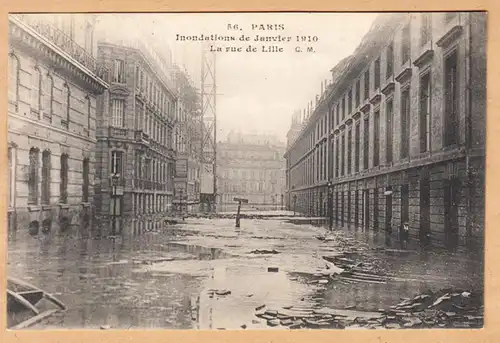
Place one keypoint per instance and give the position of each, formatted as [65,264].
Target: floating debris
[264,251]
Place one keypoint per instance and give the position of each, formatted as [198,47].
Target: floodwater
[162,279]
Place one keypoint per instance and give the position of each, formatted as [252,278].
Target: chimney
[321,88]
[317,99]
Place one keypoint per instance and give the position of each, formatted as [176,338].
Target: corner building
[400,132]
[135,155]
[53,83]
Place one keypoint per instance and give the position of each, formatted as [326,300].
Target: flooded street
[205,274]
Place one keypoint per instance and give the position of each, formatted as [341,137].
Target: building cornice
[24,34]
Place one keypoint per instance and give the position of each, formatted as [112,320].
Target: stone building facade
[135,153]
[251,167]
[399,134]
[54,81]
[187,138]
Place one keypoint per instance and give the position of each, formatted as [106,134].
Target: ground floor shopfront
[441,202]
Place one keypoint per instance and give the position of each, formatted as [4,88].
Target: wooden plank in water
[33,320]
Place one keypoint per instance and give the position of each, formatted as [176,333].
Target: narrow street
[205,274]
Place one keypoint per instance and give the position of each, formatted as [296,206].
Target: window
[13,78]
[367,84]
[67,98]
[117,163]
[86,180]
[12,175]
[342,155]
[389,114]
[36,85]
[405,44]
[358,92]
[425,28]
[46,177]
[337,153]
[63,186]
[48,97]
[377,73]
[376,138]
[356,147]
[89,114]
[118,71]
[344,109]
[33,177]
[390,60]
[405,123]
[117,112]
[137,78]
[451,99]
[337,115]
[349,152]
[349,101]
[425,111]
[366,142]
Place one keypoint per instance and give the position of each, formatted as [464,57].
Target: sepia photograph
[246,171]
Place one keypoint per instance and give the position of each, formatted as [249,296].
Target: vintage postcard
[246,171]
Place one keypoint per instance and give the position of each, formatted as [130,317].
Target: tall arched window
[13,79]
[12,175]
[67,105]
[89,113]
[47,97]
[46,166]
[36,85]
[86,180]
[33,177]
[63,186]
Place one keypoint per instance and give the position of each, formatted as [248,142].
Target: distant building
[251,167]
[135,150]
[399,135]
[54,81]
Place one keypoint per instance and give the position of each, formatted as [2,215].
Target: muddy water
[162,280]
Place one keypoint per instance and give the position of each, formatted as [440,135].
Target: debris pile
[443,309]
[446,308]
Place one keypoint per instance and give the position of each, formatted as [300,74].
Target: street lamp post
[294,203]
[330,212]
[282,202]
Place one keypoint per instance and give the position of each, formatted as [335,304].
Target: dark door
[356,208]
[366,207]
[388,212]
[425,208]
[451,201]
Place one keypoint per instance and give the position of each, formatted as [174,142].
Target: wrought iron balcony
[65,43]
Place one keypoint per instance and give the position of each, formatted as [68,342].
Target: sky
[258,91]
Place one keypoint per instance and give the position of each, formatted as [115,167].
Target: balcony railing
[141,136]
[65,43]
[117,132]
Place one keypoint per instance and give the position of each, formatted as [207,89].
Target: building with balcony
[399,135]
[251,167]
[135,152]
[187,139]
[53,83]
